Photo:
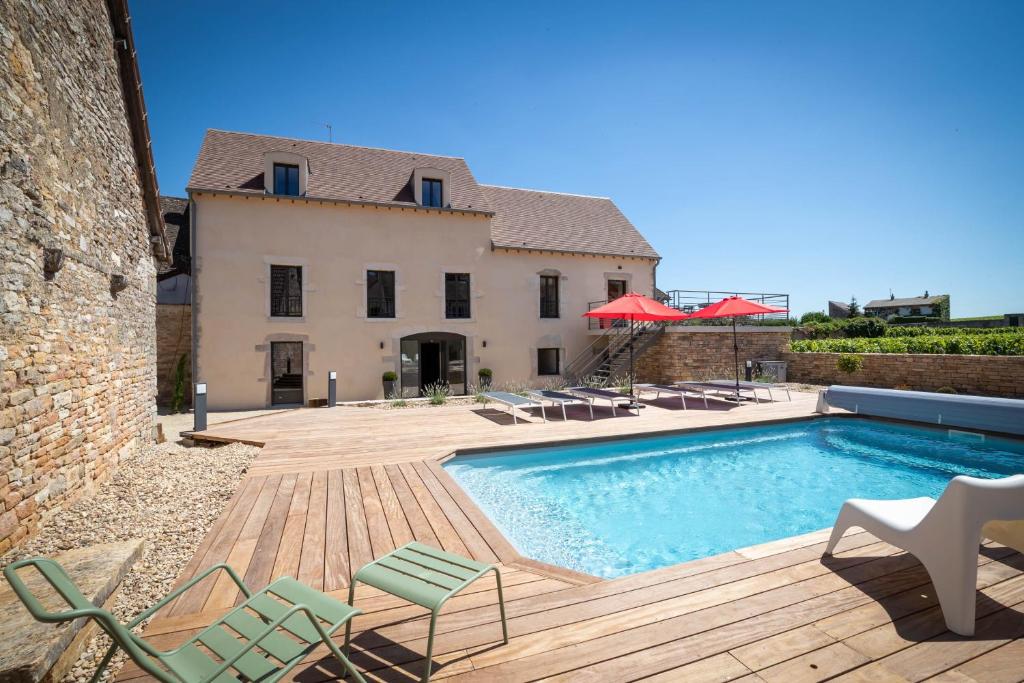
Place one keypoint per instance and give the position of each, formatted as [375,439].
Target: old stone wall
[77,362]
[697,353]
[173,339]
[979,375]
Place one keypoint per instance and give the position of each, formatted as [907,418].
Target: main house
[924,307]
[311,258]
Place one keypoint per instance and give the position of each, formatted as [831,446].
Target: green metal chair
[427,577]
[285,621]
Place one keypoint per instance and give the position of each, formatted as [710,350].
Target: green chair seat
[261,640]
[427,577]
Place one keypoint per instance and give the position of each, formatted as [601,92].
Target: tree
[854,307]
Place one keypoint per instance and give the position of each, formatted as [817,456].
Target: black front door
[285,373]
[430,363]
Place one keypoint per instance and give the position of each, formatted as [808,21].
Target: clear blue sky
[823,149]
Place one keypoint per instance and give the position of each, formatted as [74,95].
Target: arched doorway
[431,358]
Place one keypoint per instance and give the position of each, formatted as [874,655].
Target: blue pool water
[618,507]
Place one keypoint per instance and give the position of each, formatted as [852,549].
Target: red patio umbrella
[634,307]
[733,307]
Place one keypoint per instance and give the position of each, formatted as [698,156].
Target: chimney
[926,294]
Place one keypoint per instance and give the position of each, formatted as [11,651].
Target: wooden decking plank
[714,669]
[418,524]
[249,513]
[258,573]
[656,642]
[446,535]
[500,546]
[336,564]
[290,549]
[360,551]
[314,537]
[377,529]
[478,548]
[1005,664]
[398,525]
[816,665]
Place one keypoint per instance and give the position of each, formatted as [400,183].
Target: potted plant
[485,376]
[389,378]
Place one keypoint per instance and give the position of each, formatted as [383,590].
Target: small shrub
[389,376]
[814,317]
[849,363]
[398,403]
[178,397]
[485,372]
[438,393]
[515,387]
[865,327]
[945,390]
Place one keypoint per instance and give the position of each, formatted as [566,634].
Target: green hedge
[1006,344]
[894,331]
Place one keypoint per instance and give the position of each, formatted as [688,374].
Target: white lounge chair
[942,534]
[681,392]
[613,397]
[560,398]
[514,401]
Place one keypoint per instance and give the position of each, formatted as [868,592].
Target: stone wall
[980,375]
[696,353]
[173,338]
[77,362]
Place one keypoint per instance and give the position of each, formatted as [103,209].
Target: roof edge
[334,144]
[576,252]
[530,189]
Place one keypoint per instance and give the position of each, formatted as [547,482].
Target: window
[286,179]
[456,295]
[432,194]
[380,294]
[286,291]
[547,361]
[549,296]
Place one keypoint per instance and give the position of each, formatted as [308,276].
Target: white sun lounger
[514,401]
[943,534]
[728,386]
[681,392]
[560,398]
[613,397]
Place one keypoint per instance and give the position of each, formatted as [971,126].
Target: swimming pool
[612,508]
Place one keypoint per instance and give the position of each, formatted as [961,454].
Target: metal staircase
[607,358]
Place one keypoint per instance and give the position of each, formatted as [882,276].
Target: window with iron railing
[549,296]
[286,291]
[456,295]
[380,294]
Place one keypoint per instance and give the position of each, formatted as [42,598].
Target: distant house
[837,309]
[927,306]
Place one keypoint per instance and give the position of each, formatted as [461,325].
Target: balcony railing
[692,300]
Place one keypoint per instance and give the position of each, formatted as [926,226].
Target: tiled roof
[550,221]
[910,301]
[523,219]
[234,162]
[173,211]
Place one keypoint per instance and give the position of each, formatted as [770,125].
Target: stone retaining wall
[77,361]
[979,375]
[173,339]
[697,353]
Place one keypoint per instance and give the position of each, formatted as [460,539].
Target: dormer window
[286,180]
[433,192]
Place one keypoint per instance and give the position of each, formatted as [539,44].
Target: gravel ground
[168,495]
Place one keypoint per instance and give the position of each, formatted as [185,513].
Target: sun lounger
[560,398]
[943,534]
[613,397]
[728,386]
[514,401]
[681,392]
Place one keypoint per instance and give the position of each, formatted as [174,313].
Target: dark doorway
[431,358]
[286,374]
[430,363]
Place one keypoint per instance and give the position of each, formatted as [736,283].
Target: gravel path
[168,495]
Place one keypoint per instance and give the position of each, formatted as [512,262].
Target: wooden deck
[334,488]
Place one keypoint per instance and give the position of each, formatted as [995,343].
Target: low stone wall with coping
[685,352]
[978,375]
